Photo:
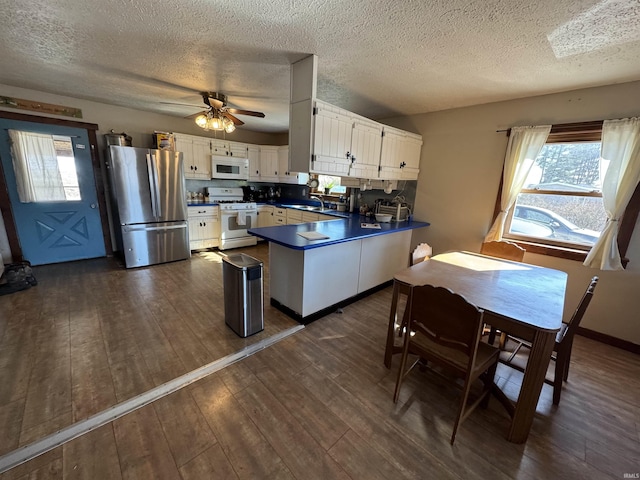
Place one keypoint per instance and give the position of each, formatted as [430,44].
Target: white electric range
[236,216]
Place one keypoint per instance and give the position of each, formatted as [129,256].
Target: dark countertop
[338,231]
[201,204]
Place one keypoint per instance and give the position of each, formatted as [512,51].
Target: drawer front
[280,211]
[203,211]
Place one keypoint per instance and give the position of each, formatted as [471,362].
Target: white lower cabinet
[265,216]
[355,266]
[294,216]
[280,216]
[204,227]
[309,217]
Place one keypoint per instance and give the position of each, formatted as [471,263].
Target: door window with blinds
[45,167]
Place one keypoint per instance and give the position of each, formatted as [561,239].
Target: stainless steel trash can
[242,282]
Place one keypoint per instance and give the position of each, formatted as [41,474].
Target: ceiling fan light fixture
[201,120]
[228,125]
[215,123]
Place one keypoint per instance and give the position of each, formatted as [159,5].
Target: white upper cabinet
[196,154]
[332,140]
[238,149]
[400,157]
[227,148]
[348,145]
[284,175]
[268,163]
[345,144]
[253,152]
[366,143]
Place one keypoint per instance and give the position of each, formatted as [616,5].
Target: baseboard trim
[330,309]
[609,340]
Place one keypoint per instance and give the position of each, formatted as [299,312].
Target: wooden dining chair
[421,253]
[446,332]
[562,348]
[503,249]
[507,251]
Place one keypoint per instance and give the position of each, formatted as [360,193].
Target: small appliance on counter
[399,211]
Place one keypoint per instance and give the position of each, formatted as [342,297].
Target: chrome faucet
[319,198]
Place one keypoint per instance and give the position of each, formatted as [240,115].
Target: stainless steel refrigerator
[148,204]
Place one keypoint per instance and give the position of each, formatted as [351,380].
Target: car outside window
[561,202]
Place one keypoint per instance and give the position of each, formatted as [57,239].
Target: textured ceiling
[378,58]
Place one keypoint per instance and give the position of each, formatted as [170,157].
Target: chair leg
[461,408]
[401,370]
[492,336]
[503,340]
[565,373]
[488,380]
[558,376]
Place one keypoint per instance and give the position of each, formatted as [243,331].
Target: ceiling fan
[219,116]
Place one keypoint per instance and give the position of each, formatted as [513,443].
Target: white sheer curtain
[621,149]
[525,144]
[35,163]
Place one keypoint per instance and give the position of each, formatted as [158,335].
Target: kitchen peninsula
[309,277]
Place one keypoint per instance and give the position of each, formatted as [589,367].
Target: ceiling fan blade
[182,104]
[235,120]
[193,116]
[245,112]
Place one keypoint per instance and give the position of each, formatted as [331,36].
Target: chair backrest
[503,249]
[446,318]
[421,253]
[576,318]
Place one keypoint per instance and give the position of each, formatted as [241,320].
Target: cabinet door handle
[403,164]
[348,155]
[195,168]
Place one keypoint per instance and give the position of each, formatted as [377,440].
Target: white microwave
[230,168]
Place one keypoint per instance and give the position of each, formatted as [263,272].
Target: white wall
[460,172]
[138,124]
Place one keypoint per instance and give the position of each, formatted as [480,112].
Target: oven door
[234,225]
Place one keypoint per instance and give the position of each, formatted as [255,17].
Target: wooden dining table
[524,300]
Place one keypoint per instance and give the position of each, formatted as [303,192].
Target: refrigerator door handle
[152,170]
[146,228]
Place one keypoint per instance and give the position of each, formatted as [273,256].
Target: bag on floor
[16,277]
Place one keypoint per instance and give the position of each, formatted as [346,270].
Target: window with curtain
[579,193]
[44,166]
[561,200]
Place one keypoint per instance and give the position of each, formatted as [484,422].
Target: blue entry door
[68,227]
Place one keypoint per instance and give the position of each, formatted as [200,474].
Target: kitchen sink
[308,208]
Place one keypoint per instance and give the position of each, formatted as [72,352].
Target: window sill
[552,251]
[559,252]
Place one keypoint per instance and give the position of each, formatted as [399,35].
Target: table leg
[393,314]
[532,382]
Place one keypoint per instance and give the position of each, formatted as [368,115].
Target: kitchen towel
[241,218]
[312,235]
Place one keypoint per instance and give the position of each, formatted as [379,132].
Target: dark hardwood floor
[317,404]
